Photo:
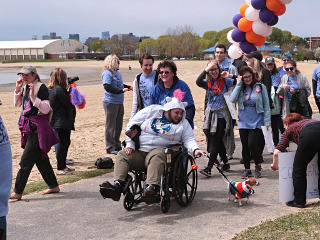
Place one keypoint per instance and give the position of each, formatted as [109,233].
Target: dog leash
[220,171]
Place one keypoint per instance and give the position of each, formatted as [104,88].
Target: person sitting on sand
[37,136]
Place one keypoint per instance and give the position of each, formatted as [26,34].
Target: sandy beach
[87,142]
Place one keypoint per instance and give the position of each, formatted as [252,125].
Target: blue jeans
[3,228]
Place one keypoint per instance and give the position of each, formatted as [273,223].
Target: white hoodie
[155,134]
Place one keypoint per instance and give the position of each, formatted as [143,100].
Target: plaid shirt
[292,133]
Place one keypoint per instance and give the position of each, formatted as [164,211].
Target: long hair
[246,69]
[58,76]
[257,67]
[111,62]
[208,77]
[292,118]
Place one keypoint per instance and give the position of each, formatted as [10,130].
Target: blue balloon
[258,4]
[236,19]
[238,36]
[266,15]
[273,21]
[247,47]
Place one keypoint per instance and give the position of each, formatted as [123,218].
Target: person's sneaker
[65,171]
[206,172]
[225,167]
[115,152]
[113,191]
[241,161]
[69,162]
[246,173]
[152,190]
[257,171]
[229,157]
[295,204]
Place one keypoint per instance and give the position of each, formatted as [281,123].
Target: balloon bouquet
[254,24]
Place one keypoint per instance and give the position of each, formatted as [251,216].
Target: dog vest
[244,189]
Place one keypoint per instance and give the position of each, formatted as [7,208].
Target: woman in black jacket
[63,117]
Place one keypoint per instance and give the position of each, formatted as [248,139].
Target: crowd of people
[249,92]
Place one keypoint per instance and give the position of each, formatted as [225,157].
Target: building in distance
[74,36]
[105,35]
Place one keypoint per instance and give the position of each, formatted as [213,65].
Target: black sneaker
[246,173]
[257,171]
[206,172]
[152,190]
[113,191]
[295,204]
[225,167]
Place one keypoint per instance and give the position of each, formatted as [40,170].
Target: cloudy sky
[22,19]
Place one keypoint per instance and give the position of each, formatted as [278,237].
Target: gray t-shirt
[145,88]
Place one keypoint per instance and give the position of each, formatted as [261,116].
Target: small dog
[244,189]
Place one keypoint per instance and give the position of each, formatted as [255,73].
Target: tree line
[184,42]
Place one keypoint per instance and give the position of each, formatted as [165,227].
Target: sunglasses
[289,69]
[164,72]
[285,60]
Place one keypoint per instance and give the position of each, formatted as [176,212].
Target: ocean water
[9,75]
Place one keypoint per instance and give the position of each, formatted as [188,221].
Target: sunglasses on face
[164,72]
[289,69]
[285,60]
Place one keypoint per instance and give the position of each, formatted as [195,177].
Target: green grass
[76,176]
[303,225]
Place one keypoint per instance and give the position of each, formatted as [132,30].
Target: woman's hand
[225,74]
[31,94]
[274,167]
[199,153]
[128,150]
[210,65]
[267,127]
[125,89]
[19,84]
[292,90]
[285,86]
[275,164]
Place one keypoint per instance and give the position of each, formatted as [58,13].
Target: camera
[72,79]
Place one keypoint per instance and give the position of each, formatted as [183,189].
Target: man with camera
[161,127]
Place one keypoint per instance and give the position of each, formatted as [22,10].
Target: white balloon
[252,14]
[261,28]
[286,1]
[248,2]
[234,52]
[229,36]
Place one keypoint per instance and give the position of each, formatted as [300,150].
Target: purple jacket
[46,135]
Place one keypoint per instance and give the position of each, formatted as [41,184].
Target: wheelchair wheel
[165,203]
[128,201]
[185,180]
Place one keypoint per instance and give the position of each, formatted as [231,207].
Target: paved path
[79,212]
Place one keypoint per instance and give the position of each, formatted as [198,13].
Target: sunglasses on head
[164,72]
[289,69]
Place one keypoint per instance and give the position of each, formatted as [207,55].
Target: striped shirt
[292,133]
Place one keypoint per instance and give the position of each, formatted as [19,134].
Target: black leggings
[252,141]
[308,146]
[63,146]
[33,155]
[215,143]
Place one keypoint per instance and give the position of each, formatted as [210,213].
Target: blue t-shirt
[225,65]
[276,79]
[292,83]
[248,117]
[146,85]
[215,101]
[316,77]
[282,72]
[115,80]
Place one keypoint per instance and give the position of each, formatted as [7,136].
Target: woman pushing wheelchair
[161,127]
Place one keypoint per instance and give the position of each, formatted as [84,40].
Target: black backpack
[104,163]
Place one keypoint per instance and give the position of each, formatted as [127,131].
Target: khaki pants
[138,160]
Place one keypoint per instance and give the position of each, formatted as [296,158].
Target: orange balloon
[281,11]
[260,42]
[245,25]
[254,38]
[243,9]
[274,5]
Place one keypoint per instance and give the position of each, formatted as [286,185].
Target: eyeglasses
[247,76]
[213,69]
[289,69]
[164,72]
[285,60]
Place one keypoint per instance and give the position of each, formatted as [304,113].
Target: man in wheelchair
[159,127]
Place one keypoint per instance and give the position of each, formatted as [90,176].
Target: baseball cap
[27,69]
[269,60]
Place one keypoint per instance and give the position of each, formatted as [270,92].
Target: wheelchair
[179,181]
